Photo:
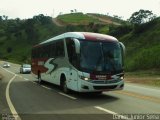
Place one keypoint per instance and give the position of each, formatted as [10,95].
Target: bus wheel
[64,86]
[39,78]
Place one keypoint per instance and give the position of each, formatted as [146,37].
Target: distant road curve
[57,23]
[104,20]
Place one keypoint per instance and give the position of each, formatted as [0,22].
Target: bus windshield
[101,57]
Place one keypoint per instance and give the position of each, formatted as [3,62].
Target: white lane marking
[46,87]
[113,113]
[13,111]
[26,79]
[105,110]
[11,107]
[67,96]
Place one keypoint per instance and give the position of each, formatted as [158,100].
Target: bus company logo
[102,77]
[50,65]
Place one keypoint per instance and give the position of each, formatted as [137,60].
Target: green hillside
[85,19]
[143,47]
[18,36]
[76,19]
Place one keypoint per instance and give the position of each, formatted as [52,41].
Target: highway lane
[142,89]
[30,99]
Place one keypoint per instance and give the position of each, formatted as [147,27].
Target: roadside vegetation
[18,36]
[143,46]
[145,77]
[142,40]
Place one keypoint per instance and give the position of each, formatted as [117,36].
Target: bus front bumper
[101,85]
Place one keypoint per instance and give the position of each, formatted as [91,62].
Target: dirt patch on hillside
[58,22]
[107,21]
[61,23]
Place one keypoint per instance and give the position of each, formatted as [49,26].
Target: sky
[29,8]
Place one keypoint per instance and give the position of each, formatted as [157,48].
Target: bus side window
[71,52]
[59,49]
[53,50]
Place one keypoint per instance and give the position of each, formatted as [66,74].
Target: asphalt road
[22,98]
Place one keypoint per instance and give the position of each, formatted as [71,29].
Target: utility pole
[53,13]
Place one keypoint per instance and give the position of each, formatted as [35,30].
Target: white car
[6,65]
[25,68]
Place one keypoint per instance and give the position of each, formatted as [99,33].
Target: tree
[1,18]
[142,16]
[72,11]
[5,17]
[117,17]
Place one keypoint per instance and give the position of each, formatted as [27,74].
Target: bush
[147,58]
[143,27]
[120,30]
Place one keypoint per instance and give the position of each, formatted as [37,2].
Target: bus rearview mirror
[123,47]
[77,45]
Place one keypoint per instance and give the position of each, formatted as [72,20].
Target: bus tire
[39,78]
[64,84]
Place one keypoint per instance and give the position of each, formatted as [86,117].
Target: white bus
[80,61]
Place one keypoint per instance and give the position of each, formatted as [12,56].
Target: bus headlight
[121,77]
[84,78]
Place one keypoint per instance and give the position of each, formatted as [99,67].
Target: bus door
[73,79]
[72,58]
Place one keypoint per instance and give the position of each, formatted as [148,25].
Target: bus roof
[82,35]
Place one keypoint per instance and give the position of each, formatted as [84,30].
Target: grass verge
[150,78]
